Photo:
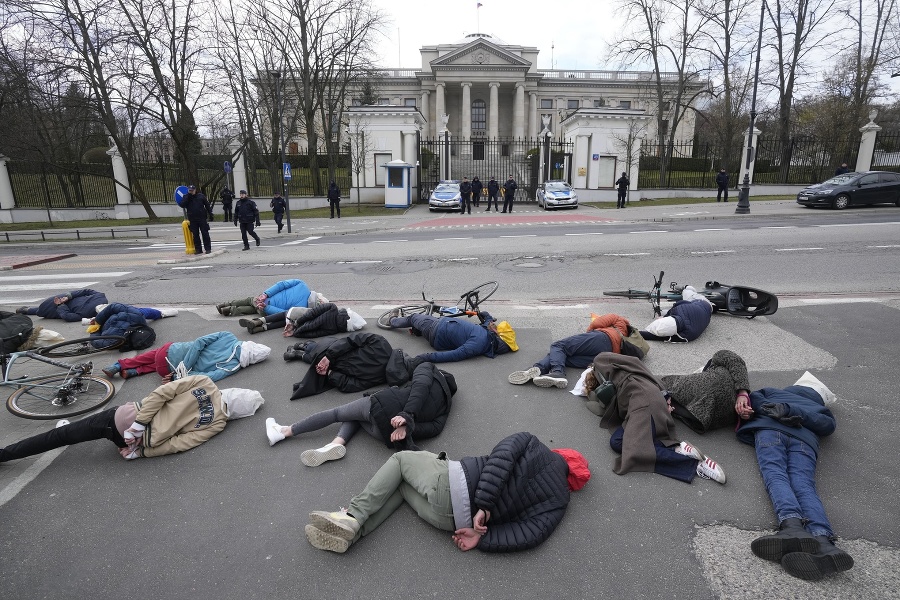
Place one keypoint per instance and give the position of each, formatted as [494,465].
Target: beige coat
[180,415]
[638,404]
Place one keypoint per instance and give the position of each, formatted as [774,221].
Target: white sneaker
[314,458]
[546,381]
[273,431]
[710,469]
[688,450]
[337,523]
[523,377]
[325,541]
[168,312]
[62,423]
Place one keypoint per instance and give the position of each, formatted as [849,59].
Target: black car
[869,187]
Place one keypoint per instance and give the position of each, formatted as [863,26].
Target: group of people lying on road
[488,502]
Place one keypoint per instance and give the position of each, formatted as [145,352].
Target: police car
[445,196]
[556,194]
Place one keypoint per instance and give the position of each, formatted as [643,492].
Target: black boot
[791,537]
[813,566]
[251,323]
[293,353]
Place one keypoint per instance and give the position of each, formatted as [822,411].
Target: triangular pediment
[480,53]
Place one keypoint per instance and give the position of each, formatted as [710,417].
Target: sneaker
[710,469]
[686,449]
[273,431]
[62,423]
[314,458]
[551,380]
[112,370]
[325,541]
[677,339]
[126,373]
[337,523]
[523,377]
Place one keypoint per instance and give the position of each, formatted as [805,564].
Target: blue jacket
[692,317]
[525,487]
[800,400]
[459,339]
[83,305]
[216,355]
[115,319]
[287,294]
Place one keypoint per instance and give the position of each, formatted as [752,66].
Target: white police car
[445,196]
[556,194]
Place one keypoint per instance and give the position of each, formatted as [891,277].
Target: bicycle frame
[72,371]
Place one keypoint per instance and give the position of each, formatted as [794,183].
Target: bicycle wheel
[82,346]
[633,294]
[384,321]
[60,396]
[479,294]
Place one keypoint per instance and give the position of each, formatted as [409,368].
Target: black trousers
[335,205]
[95,427]
[465,202]
[507,203]
[228,214]
[496,202]
[245,229]
[279,217]
[722,188]
[622,195]
[200,231]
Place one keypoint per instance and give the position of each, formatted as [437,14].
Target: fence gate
[483,158]
[39,184]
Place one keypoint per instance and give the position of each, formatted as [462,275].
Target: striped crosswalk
[20,290]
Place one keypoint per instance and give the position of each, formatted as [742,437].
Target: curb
[36,261]
[189,258]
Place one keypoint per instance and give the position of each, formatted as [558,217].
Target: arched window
[479,116]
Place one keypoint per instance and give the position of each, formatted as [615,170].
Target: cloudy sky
[572,33]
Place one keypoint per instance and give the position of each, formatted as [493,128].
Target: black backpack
[138,337]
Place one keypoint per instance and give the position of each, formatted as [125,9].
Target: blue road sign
[180,192]
[227,167]
[287,171]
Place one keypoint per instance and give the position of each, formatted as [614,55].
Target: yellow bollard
[188,238]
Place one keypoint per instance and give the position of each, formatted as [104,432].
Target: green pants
[244,306]
[420,478]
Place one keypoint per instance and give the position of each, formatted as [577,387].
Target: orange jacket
[615,326]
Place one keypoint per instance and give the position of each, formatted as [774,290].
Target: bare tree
[360,146]
[625,141]
[876,31]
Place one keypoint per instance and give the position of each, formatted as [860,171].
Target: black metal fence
[39,184]
[499,158]
[264,175]
[803,160]
[887,151]
[690,165]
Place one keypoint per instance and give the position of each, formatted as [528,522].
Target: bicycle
[467,305]
[72,390]
[736,300]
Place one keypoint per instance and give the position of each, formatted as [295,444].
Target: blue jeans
[788,468]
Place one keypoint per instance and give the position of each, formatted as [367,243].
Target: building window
[384,101]
[624,103]
[395,178]
[666,106]
[380,161]
[479,115]
[477,150]
[546,103]
[409,102]
[598,103]
[572,104]
[504,149]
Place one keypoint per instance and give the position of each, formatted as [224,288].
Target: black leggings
[351,416]
[95,427]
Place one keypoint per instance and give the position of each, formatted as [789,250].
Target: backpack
[138,337]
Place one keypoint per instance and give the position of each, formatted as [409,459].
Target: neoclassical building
[492,89]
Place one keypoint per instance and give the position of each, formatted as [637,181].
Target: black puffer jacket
[325,319]
[524,486]
[424,402]
[358,362]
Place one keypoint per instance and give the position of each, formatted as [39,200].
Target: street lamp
[743,205]
[279,109]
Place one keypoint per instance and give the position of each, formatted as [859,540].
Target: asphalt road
[226,520]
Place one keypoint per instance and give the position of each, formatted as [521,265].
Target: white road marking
[795,249]
[631,254]
[327,244]
[187,268]
[387,241]
[651,231]
[295,242]
[453,259]
[69,285]
[889,246]
[591,233]
[712,229]
[779,227]
[858,224]
[519,236]
[357,262]
[714,252]
[9,492]
[69,276]
[444,239]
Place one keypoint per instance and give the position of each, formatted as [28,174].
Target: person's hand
[781,413]
[398,434]
[322,366]
[258,224]
[398,422]
[235,223]
[480,521]
[167,378]
[466,538]
[129,454]
[60,300]
[742,406]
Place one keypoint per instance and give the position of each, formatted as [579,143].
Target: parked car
[445,196]
[556,194]
[869,187]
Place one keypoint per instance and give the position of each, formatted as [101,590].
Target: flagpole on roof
[478,17]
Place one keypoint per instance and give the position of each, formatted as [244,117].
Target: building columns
[519,112]
[465,128]
[440,108]
[120,175]
[532,115]
[494,114]
[869,132]
[7,200]
[424,110]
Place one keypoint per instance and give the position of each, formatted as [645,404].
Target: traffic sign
[180,192]
[287,171]
[227,167]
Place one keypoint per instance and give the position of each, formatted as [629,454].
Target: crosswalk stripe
[65,276]
[71,285]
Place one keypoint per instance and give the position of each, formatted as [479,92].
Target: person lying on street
[457,338]
[276,299]
[72,307]
[684,322]
[298,321]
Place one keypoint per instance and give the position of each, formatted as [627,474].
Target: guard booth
[397,189]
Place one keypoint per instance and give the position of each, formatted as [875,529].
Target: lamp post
[743,205]
[279,109]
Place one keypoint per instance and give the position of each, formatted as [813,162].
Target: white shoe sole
[325,541]
[545,381]
[273,431]
[523,377]
[323,521]
[696,454]
[314,458]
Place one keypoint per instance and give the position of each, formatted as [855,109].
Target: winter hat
[243,192]
[579,473]
[355,322]
[507,334]
[689,293]
[240,403]
[252,353]
[811,381]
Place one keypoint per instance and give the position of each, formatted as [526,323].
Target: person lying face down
[458,339]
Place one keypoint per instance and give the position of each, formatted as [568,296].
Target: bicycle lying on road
[466,306]
[736,300]
[54,389]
